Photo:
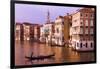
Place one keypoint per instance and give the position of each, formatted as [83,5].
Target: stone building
[18,31]
[59,26]
[82,30]
[26,31]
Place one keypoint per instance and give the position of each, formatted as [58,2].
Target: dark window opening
[63,23]
[86,15]
[63,38]
[81,22]
[91,15]
[91,45]
[81,15]
[81,45]
[86,45]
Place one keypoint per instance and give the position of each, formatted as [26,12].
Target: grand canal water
[62,54]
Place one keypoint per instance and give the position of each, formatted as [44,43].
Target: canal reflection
[62,54]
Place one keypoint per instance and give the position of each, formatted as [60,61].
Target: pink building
[36,30]
[26,30]
[82,30]
[18,31]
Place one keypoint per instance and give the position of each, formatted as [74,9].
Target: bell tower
[48,17]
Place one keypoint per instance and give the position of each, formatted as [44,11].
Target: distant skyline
[38,13]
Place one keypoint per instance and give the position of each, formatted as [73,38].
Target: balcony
[80,32]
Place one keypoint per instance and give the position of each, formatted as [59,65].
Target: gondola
[41,57]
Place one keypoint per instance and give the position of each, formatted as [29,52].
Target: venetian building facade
[42,37]
[36,31]
[59,36]
[31,32]
[18,31]
[82,30]
[48,29]
[66,30]
[26,31]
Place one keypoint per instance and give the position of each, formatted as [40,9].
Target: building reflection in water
[62,54]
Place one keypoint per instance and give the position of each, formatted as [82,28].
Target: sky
[38,13]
